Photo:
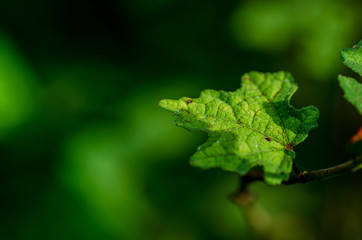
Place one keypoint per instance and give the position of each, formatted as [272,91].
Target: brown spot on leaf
[268,139]
[289,147]
[186,111]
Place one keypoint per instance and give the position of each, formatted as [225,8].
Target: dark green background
[86,153]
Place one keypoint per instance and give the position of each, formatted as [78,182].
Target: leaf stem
[296,169]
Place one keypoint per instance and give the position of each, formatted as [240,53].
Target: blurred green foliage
[87,153]
[311,30]
[16,87]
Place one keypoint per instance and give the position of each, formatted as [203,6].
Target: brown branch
[304,177]
[326,173]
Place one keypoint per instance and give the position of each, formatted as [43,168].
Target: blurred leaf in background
[17,81]
[309,31]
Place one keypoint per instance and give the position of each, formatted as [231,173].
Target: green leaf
[352,58]
[352,91]
[252,127]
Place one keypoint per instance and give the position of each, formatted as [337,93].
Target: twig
[317,175]
[326,173]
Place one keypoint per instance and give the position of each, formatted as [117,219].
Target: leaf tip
[170,105]
[162,103]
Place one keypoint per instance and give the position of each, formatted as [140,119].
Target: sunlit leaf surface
[253,126]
